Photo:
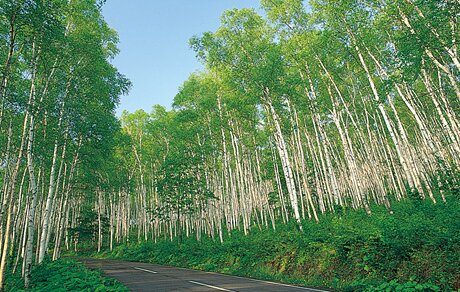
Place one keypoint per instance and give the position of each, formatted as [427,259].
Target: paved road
[141,277]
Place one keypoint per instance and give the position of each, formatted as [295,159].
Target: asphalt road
[141,277]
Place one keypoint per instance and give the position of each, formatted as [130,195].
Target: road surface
[139,277]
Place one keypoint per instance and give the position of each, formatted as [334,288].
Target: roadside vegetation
[416,248]
[63,275]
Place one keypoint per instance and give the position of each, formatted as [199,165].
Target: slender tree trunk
[33,195]
[282,151]
[51,190]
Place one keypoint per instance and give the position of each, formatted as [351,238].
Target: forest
[304,112]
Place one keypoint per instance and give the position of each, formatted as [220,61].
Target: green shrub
[404,287]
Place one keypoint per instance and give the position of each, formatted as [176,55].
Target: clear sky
[154,50]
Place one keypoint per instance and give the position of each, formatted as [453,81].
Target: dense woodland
[311,108]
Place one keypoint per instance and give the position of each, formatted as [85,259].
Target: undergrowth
[416,248]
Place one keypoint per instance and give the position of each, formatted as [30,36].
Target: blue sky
[154,50]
